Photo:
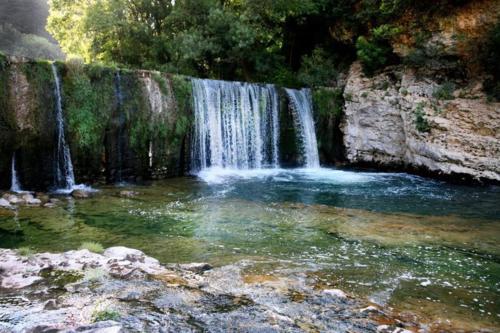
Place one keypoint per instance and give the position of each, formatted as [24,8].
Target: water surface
[395,239]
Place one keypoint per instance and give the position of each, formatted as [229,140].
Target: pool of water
[398,240]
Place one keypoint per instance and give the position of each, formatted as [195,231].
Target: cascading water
[236,125]
[64,176]
[15,184]
[121,119]
[301,105]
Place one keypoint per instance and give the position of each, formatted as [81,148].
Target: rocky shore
[123,290]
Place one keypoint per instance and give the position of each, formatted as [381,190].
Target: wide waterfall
[15,184]
[236,125]
[64,176]
[301,105]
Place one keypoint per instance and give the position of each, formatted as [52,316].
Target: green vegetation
[25,251]
[92,247]
[444,91]
[421,122]
[104,315]
[291,43]
[491,58]
[328,101]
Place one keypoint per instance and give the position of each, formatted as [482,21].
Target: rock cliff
[401,119]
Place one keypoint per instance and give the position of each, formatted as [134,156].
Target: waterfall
[64,176]
[15,185]
[236,125]
[301,106]
[121,119]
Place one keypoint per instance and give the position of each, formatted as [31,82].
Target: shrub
[25,251]
[328,101]
[373,55]
[104,315]
[444,91]
[421,122]
[492,64]
[92,247]
[317,69]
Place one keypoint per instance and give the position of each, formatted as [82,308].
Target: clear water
[398,240]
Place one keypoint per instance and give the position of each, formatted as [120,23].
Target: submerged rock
[128,194]
[80,194]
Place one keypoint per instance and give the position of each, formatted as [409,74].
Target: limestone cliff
[398,118]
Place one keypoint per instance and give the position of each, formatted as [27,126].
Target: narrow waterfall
[64,176]
[236,125]
[301,106]
[15,184]
[121,124]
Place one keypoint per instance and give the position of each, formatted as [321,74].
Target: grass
[444,91]
[25,251]
[92,247]
[106,314]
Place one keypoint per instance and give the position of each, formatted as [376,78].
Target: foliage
[421,122]
[92,247]
[288,42]
[25,251]
[444,91]
[86,106]
[328,101]
[375,52]
[318,69]
[105,315]
[491,62]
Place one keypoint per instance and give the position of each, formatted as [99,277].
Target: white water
[236,125]
[301,105]
[15,184]
[64,175]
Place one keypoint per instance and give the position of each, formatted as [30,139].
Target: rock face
[393,120]
[124,290]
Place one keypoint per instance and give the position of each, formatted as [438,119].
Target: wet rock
[4,203]
[128,194]
[29,199]
[198,268]
[144,296]
[124,253]
[335,293]
[13,199]
[80,194]
[51,304]
[100,327]
[49,205]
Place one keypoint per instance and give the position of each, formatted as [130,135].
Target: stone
[463,138]
[198,268]
[128,194]
[80,194]
[335,293]
[51,304]
[29,199]
[125,253]
[14,199]
[108,326]
[4,203]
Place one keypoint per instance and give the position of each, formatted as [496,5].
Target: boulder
[4,203]
[80,194]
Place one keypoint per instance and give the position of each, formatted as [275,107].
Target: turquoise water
[394,239]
